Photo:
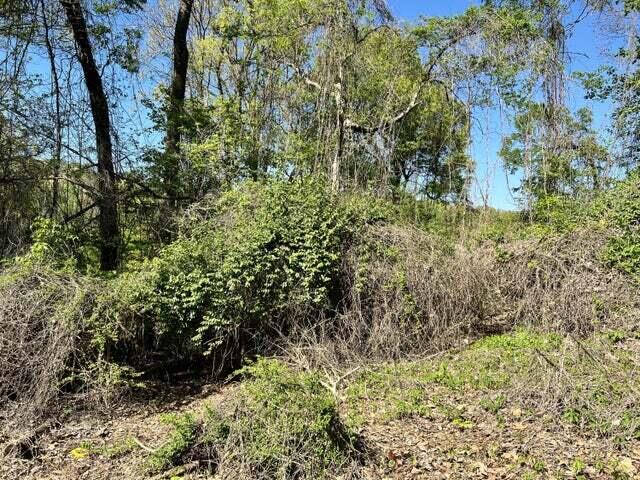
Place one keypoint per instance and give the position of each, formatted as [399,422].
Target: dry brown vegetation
[405,295]
[39,314]
[409,294]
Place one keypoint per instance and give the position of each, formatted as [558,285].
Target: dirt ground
[517,445]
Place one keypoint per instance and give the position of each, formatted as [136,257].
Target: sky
[588,46]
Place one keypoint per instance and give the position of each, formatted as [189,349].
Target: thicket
[342,278]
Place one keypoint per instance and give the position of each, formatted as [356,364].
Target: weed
[279,424]
[118,449]
[181,439]
[493,405]
[578,467]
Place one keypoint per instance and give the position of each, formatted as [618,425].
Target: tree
[177,92]
[621,85]
[55,87]
[576,163]
[106,191]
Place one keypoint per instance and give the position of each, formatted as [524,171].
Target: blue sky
[588,47]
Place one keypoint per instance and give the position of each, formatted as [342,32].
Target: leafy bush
[183,436]
[621,210]
[288,423]
[52,243]
[559,212]
[243,266]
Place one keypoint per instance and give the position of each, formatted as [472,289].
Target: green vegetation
[489,365]
[296,212]
[183,436]
[510,369]
[279,424]
[239,268]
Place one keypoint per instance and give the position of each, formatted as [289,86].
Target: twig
[584,349]
[178,471]
[547,359]
[143,446]
[333,386]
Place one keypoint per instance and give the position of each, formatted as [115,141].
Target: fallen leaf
[79,453]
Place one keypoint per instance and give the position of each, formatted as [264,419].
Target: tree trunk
[334,172]
[107,196]
[57,148]
[177,95]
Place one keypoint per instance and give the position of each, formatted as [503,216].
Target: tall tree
[177,93]
[55,87]
[107,195]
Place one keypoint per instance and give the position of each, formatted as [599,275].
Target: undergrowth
[589,383]
[280,423]
[334,281]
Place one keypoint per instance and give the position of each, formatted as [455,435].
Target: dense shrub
[559,212]
[407,292]
[615,212]
[344,273]
[44,339]
[620,209]
[242,267]
[54,340]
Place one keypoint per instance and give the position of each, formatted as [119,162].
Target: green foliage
[493,404]
[289,423]
[597,396]
[59,247]
[559,213]
[575,167]
[518,342]
[182,437]
[436,217]
[52,244]
[280,424]
[242,264]
[491,364]
[620,208]
[496,225]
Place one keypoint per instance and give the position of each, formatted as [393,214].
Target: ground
[462,415]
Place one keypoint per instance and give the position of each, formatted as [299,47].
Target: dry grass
[38,340]
[406,294]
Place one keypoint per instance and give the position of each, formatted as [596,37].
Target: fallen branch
[334,385]
[26,444]
[144,447]
[178,471]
